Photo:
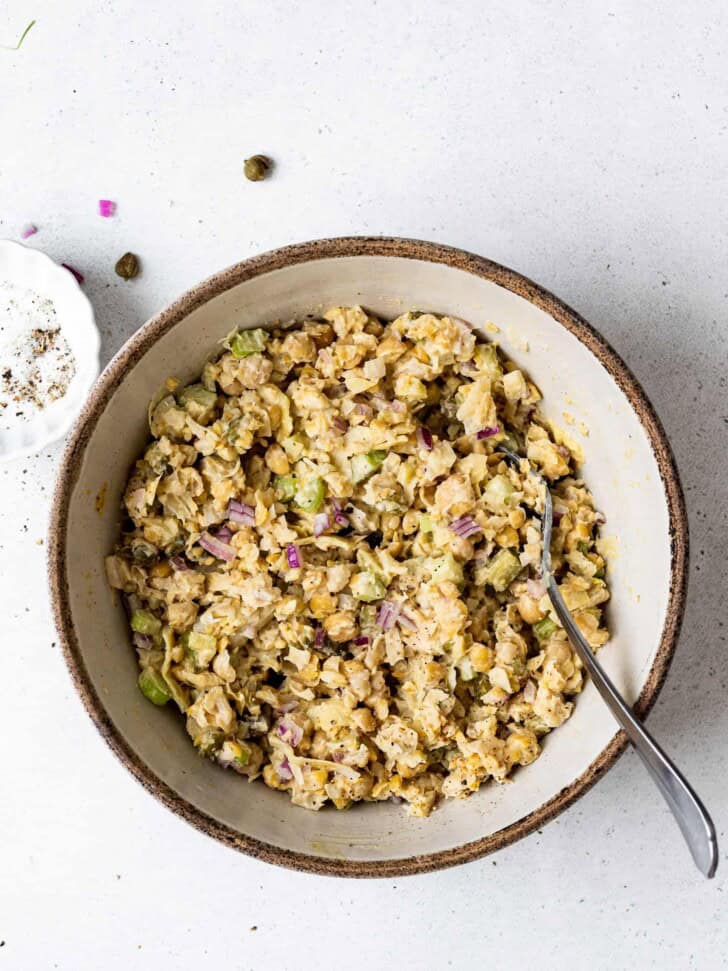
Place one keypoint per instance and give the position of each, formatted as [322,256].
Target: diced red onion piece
[338,756]
[341,425]
[536,588]
[424,438]
[465,526]
[363,409]
[293,555]
[284,771]
[563,452]
[339,516]
[388,614]
[290,732]
[106,208]
[241,513]
[488,432]
[217,548]
[320,523]
[361,641]
[319,638]
[74,271]
[142,640]
[28,230]
[287,706]
[224,534]
[179,563]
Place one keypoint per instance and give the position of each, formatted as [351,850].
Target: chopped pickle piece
[200,648]
[310,494]
[153,686]
[446,568]
[544,628]
[367,587]
[362,466]
[285,486]
[502,570]
[144,622]
[498,492]
[247,342]
[198,402]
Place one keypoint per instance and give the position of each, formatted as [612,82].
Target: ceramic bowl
[628,465]
[29,269]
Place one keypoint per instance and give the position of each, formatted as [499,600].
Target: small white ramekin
[22,266]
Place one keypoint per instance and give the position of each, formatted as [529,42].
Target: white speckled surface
[583,144]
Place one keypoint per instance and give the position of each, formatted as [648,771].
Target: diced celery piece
[362,466]
[285,486]
[202,648]
[198,402]
[144,622]
[600,574]
[543,629]
[367,617]
[367,587]
[498,492]
[583,547]
[310,494]
[486,359]
[446,568]
[153,686]
[243,757]
[426,524]
[502,570]
[247,342]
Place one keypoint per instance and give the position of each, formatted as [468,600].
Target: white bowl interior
[620,468]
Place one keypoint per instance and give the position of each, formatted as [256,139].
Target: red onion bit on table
[387,614]
[71,269]
[28,231]
[241,513]
[107,208]
[465,526]
[217,548]
[293,555]
[321,523]
[488,432]
[424,438]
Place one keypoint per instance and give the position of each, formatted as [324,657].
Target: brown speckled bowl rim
[137,346]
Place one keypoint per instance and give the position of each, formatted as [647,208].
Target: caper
[127,266]
[257,167]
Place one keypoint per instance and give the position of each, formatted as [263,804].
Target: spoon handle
[692,817]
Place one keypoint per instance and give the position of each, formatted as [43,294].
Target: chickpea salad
[333,574]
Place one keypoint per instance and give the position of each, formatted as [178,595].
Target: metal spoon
[691,815]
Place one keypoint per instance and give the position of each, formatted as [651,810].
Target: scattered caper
[127,266]
[257,167]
